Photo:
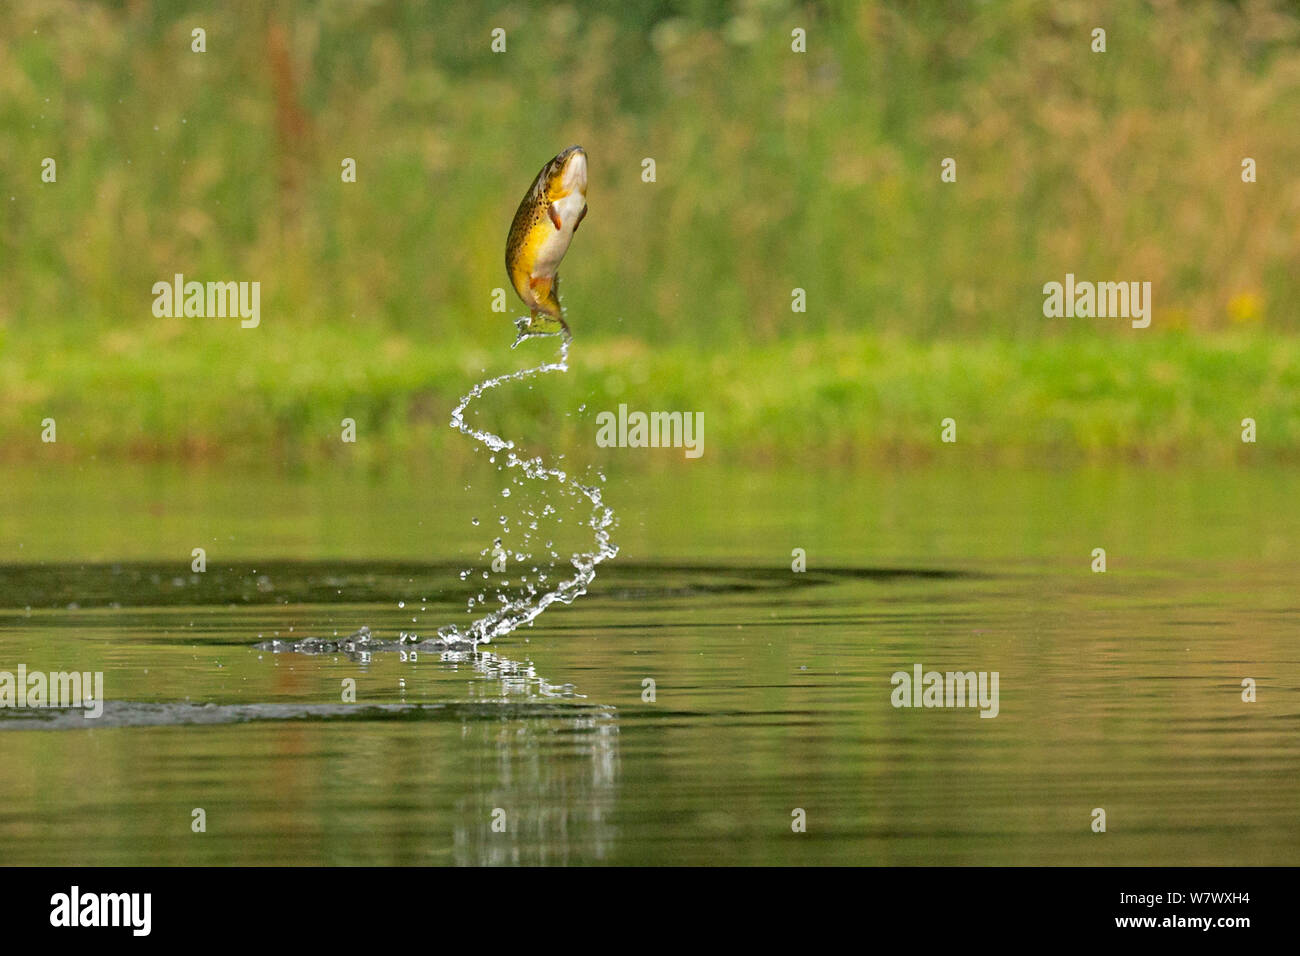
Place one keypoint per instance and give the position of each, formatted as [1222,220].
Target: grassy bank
[774,171]
[202,392]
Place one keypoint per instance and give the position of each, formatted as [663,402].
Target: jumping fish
[549,215]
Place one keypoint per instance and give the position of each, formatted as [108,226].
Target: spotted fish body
[543,227]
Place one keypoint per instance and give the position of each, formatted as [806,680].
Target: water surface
[772,688]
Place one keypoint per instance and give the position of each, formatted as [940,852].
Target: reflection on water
[128,713]
[701,692]
[530,808]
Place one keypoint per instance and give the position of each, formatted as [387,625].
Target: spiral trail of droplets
[516,613]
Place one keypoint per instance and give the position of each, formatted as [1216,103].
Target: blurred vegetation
[775,170]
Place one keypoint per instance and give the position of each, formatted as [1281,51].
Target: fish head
[566,174]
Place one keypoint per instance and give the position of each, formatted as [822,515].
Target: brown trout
[549,215]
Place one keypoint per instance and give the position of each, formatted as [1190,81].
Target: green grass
[193,389]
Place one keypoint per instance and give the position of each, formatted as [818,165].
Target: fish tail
[540,323]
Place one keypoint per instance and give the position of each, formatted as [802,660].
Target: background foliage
[775,171]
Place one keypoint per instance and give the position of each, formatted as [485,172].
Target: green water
[1119,690]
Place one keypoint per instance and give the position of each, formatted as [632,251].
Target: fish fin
[541,286]
[554,214]
[544,295]
[581,216]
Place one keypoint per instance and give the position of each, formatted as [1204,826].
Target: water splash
[514,676]
[524,609]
